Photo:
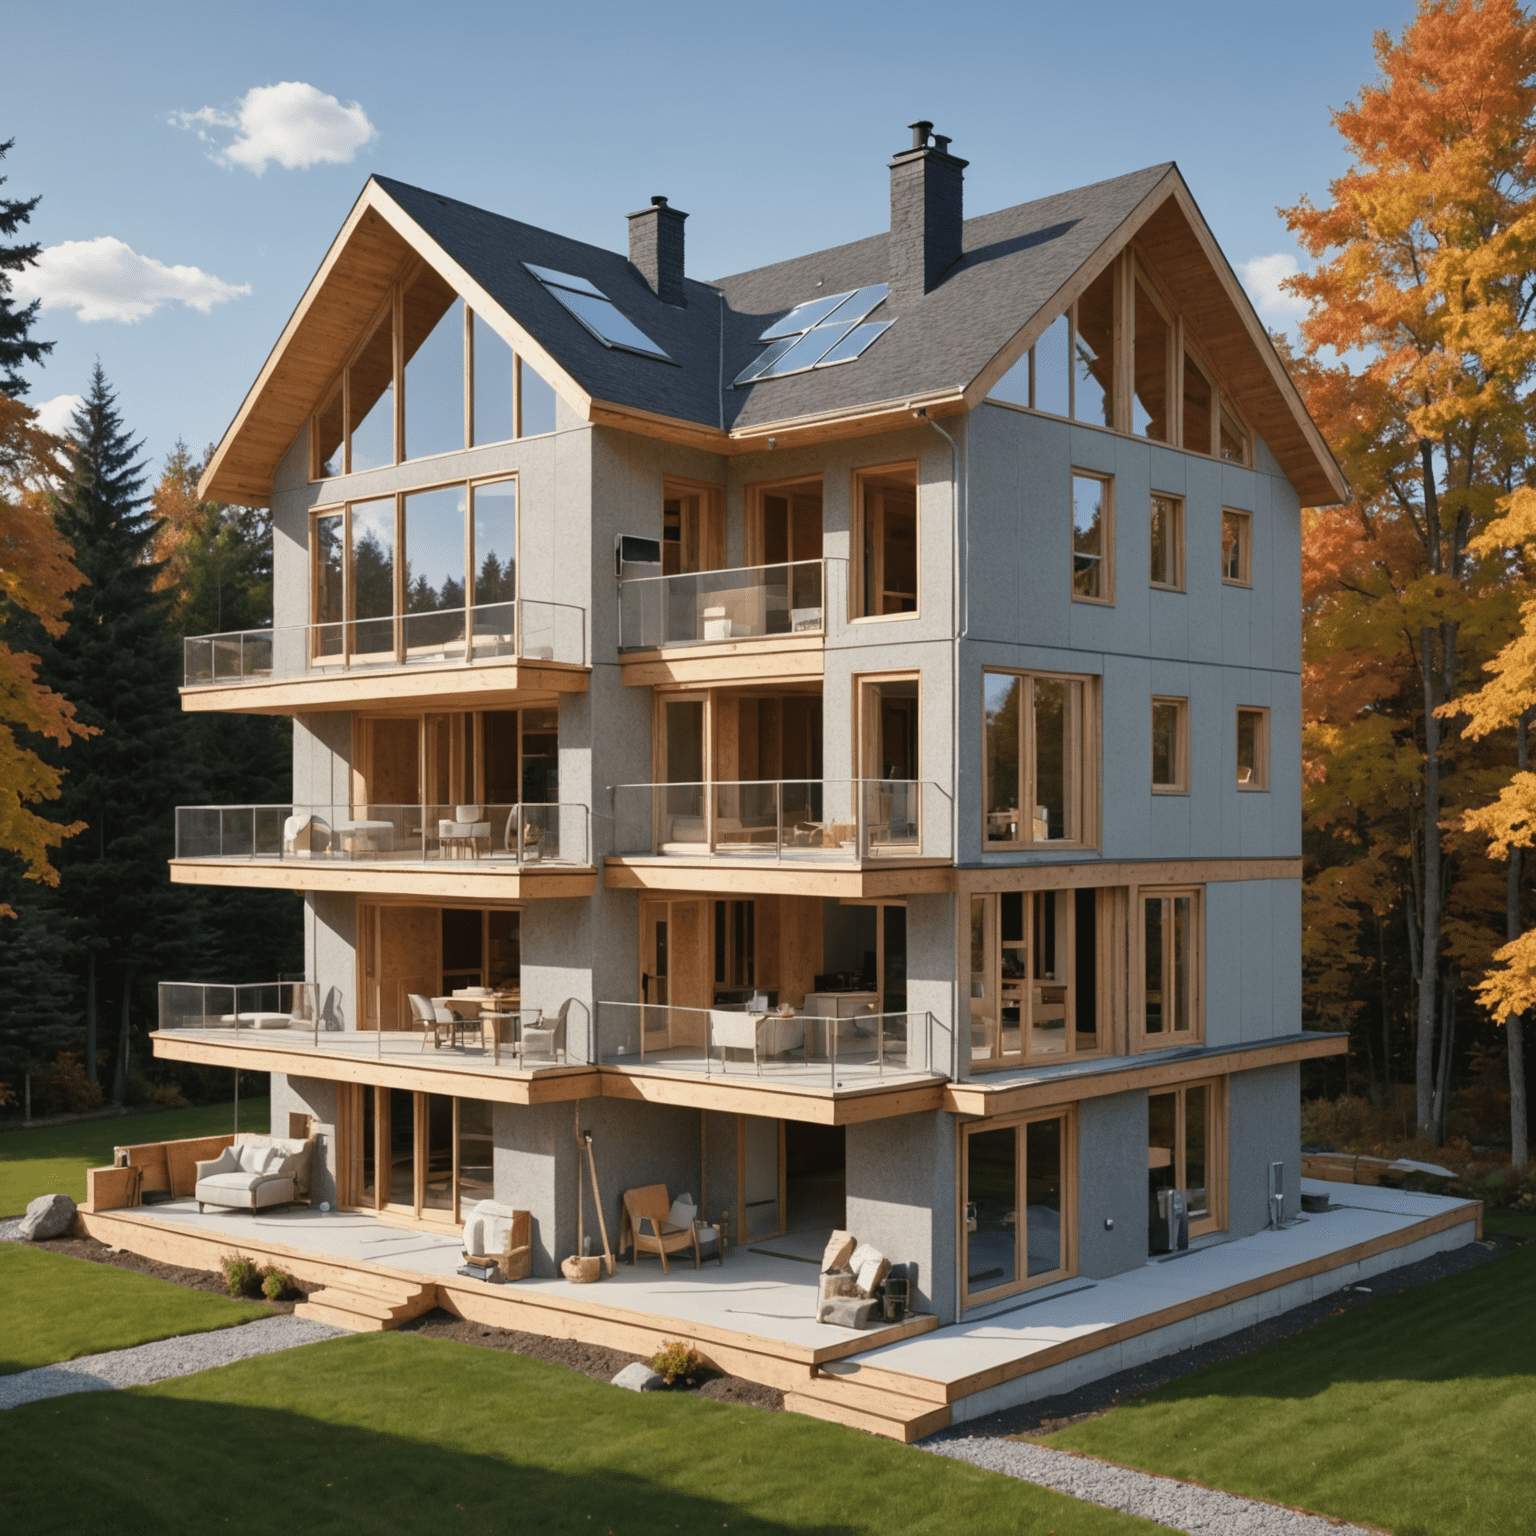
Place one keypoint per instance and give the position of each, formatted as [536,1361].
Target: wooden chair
[647,1230]
[434,1021]
[514,1256]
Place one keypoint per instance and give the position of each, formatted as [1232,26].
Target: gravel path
[144,1363]
[10,1231]
[1183,1506]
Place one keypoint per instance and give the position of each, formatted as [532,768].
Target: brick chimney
[656,250]
[927,212]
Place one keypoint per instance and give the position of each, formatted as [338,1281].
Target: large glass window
[1092,537]
[1053,368]
[1093,352]
[371,399]
[1153,368]
[432,331]
[494,366]
[434,568]
[1037,954]
[1018,1205]
[1170,946]
[373,575]
[1199,407]
[1036,758]
[888,543]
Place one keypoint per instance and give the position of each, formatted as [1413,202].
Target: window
[1199,422]
[1039,780]
[1186,1151]
[596,312]
[1092,537]
[1019,1204]
[1152,369]
[1036,984]
[1236,548]
[1171,967]
[429,377]
[1236,443]
[887,539]
[415,577]
[1170,746]
[786,528]
[1070,370]
[1252,748]
[1167,542]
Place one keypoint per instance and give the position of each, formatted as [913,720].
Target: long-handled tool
[597,1200]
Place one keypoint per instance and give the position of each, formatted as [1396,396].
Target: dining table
[487,1011]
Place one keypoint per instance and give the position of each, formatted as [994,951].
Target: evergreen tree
[16,343]
[118,661]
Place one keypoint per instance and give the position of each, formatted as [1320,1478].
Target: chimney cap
[922,132]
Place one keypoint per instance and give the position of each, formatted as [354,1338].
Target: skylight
[818,334]
[596,311]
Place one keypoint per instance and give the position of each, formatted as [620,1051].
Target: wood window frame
[1217,1149]
[1140,1038]
[1089,762]
[349,1131]
[394,303]
[710,529]
[861,476]
[1180,782]
[753,494]
[1259,783]
[1228,416]
[1105,597]
[1023,1281]
[1175,505]
[1244,578]
[1141,281]
[1110,909]
[866,719]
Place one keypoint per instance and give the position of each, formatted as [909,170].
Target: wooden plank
[905,1430]
[978,1097]
[510,684]
[108,1189]
[825,1106]
[772,659]
[723,876]
[1076,876]
[460,879]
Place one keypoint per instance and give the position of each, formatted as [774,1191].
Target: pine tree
[119,663]
[16,343]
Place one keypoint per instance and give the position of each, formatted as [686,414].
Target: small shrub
[275,1285]
[168,1096]
[242,1277]
[66,1085]
[676,1361]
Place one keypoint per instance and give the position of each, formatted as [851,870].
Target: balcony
[448,656]
[838,827]
[497,851]
[689,627]
[789,1048]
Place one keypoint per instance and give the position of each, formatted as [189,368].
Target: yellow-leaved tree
[37,574]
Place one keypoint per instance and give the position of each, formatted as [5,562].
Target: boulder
[639,1378]
[47,1216]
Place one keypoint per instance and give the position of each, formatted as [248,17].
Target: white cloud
[291,123]
[55,415]
[104,279]
[1262,277]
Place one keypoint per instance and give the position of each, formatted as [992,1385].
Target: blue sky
[179,244]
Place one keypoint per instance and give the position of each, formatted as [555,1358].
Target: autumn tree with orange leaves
[1419,354]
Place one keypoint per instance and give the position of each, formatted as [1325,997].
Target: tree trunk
[1447,1043]
[90,1017]
[1514,1025]
[1429,950]
[120,1070]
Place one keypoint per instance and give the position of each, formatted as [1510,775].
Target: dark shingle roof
[1013,262]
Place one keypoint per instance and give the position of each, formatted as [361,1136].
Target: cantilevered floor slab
[487,880]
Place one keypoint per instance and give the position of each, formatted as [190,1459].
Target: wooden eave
[375,243]
[1220,320]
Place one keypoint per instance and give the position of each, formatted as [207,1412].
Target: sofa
[256,1173]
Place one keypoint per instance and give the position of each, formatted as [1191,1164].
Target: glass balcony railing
[708,607]
[518,835]
[784,1043]
[788,820]
[259,1005]
[523,630]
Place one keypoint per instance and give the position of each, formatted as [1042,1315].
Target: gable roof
[1019,269]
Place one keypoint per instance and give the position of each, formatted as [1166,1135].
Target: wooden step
[900,1418]
[368,1304]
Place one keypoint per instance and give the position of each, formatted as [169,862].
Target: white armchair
[764,1034]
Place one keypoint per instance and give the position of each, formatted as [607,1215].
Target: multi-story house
[846,717]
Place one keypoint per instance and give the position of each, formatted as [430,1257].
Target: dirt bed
[193,1279]
[1049,1414]
[590,1359]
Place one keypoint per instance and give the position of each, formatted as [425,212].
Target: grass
[394,1433]
[1414,1413]
[53,1308]
[52,1159]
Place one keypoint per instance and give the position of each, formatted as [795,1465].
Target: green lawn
[393,1433]
[54,1308]
[1414,1413]
[53,1159]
